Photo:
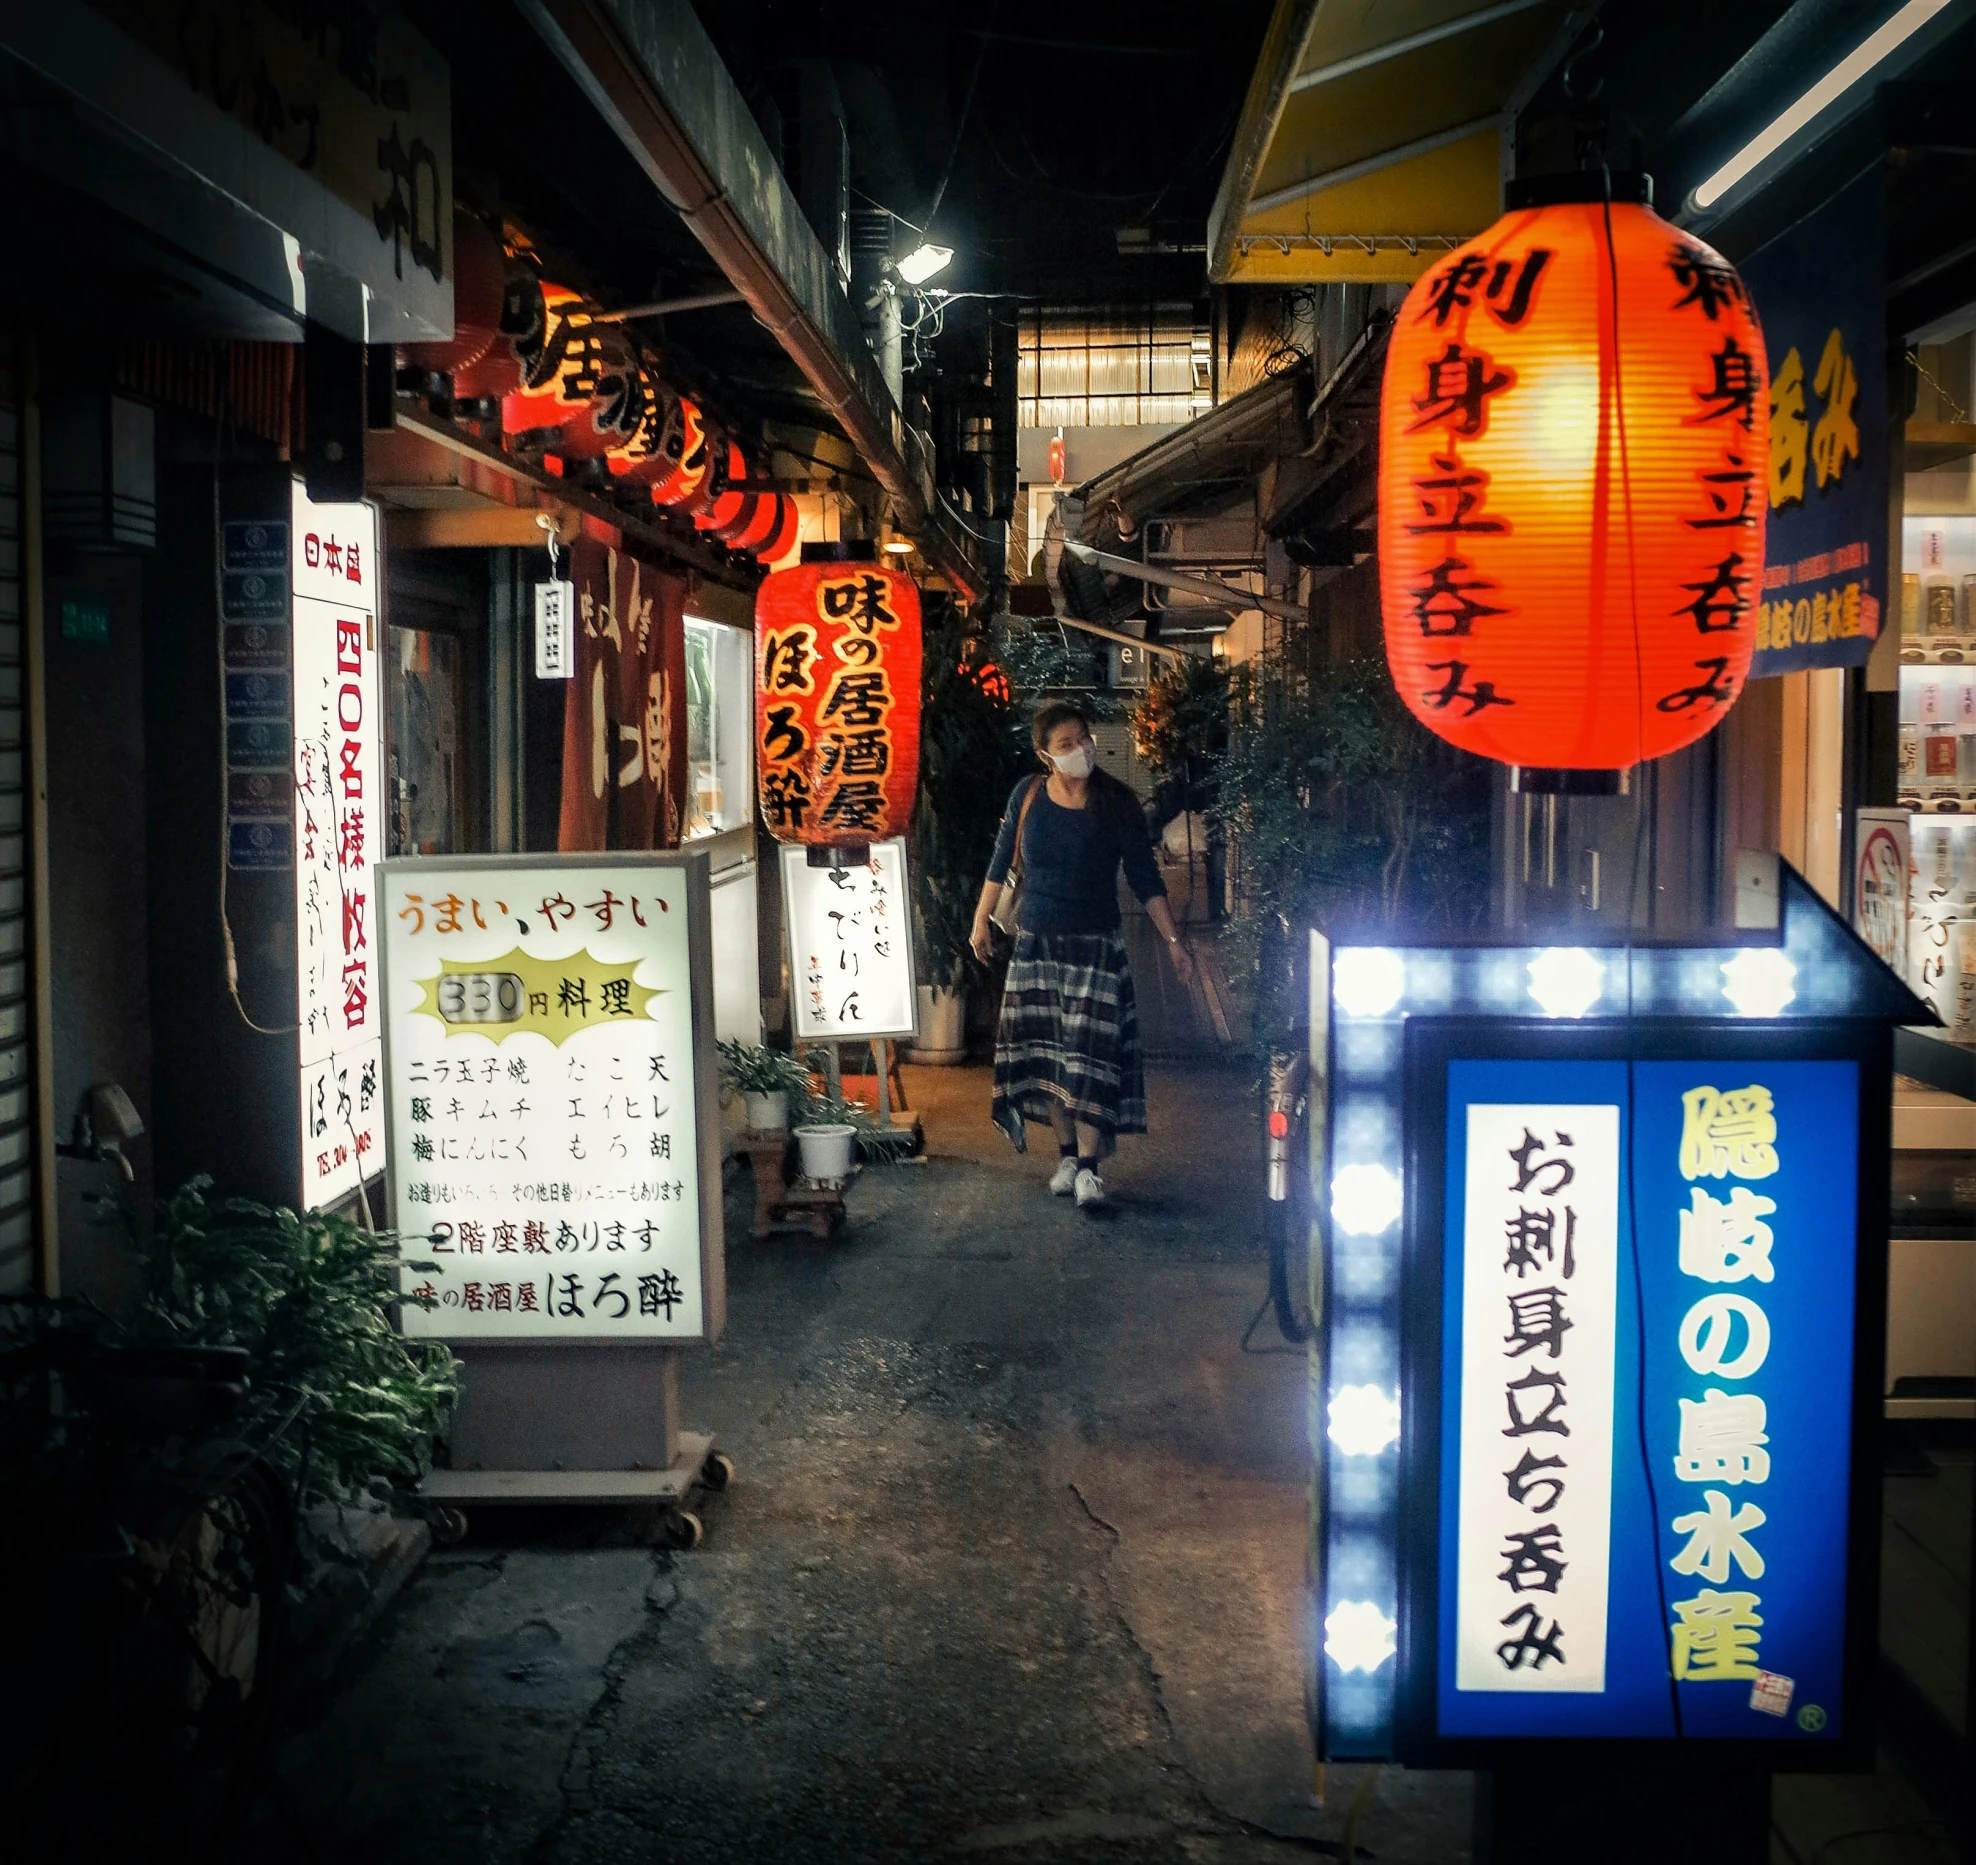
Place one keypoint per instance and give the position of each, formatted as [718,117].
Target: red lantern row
[585,388]
[837,698]
[1573,449]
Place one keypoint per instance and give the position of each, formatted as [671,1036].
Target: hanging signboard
[1602,1341]
[554,1134]
[1819,289]
[850,945]
[334,574]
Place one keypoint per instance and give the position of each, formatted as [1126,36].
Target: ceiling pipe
[665,307]
[1208,586]
[630,93]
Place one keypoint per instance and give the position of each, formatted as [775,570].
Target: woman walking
[1067,1050]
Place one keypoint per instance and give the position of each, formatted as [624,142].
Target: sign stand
[1600,1368]
[554,1156]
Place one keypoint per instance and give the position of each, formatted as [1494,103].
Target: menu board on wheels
[550,1087]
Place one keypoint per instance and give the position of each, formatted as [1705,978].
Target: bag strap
[1021,817]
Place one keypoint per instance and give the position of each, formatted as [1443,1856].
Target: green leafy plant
[309,1298]
[753,1068]
[973,746]
[1344,813]
[1180,725]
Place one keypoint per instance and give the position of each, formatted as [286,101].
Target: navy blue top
[1070,859]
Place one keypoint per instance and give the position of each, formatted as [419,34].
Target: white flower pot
[767,1113]
[827,1152]
[942,1039]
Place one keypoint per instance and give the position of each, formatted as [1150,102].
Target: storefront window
[423,687]
[719,703]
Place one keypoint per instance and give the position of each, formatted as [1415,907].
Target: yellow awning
[1374,135]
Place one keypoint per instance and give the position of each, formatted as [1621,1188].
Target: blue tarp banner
[1819,290]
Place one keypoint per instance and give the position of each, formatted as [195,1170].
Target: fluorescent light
[1366,1201]
[1358,1636]
[922,262]
[899,546]
[1760,981]
[1364,1420]
[1835,83]
[1367,981]
[1566,980]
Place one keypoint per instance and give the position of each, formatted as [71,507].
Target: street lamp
[924,261]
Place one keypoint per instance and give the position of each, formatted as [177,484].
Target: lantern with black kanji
[1572,483]
[837,697]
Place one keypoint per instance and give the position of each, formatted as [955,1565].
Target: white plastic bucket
[767,1113]
[827,1151]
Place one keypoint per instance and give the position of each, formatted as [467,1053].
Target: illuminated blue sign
[1602,1312]
[1646,1408]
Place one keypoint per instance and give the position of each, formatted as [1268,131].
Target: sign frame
[1793,983]
[794,857]
[1431,1045]
[695,865]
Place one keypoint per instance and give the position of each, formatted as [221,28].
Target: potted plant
[971,751]
[827,1148]
[1179,728]
[765,1079]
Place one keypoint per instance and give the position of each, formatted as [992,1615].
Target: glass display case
[720,694]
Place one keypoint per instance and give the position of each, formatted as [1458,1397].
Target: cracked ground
[1011,1568]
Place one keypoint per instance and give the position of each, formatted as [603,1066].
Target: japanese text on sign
[1540,1295]
[542,1089]
[850,945]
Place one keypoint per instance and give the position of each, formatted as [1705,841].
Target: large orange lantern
[837,697]
[1574,448]
[688,465]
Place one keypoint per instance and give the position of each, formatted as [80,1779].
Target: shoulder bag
[1010,899]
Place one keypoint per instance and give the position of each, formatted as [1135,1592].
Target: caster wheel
[449,1526]
[683,1530]
[717,1472]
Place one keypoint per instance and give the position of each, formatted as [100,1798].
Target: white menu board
[340,818]
[554,1138]
[850,945]
[1541,1224]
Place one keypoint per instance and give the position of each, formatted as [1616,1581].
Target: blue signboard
[1648,1317]
[1819,291]
[1600,1343]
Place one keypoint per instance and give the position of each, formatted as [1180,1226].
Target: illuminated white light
[1364,1420]
[1835,83]
[1566,980]
[922,262]
[1358,1636]
[1365,1200]
[1759,981]
[1368,980]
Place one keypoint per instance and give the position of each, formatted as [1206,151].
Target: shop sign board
[338,820]
[331,125]
[1819,289]
[1602,1344]
[554,1135]
[1883,881]
[850,945]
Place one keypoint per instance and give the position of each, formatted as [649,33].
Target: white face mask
[1075,764]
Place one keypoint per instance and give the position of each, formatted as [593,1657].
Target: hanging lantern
[781,540]
[519,330]
[837,697]
[764,520]
[582,381]
[733,504]
[689,464]
[479,289]
[1574,449]
[652,449]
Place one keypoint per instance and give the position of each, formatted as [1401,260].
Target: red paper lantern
[764,521]
[1574,446]
[479,288]
[519,331]
[837,697]
[584,381]
[689,465]
[788,521]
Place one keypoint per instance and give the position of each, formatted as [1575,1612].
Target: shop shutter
[16,1073]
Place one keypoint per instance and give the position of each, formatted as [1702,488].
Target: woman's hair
[1048,717]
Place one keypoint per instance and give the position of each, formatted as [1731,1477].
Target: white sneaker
[1063,1181]
[1090,1188]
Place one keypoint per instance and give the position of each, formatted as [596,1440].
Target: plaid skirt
[1069,1036]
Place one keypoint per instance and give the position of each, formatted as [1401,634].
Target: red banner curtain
[624,719]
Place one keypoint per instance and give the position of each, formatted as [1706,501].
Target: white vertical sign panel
[544,1097]
[1540,1256]
[850,945]
[339,822]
